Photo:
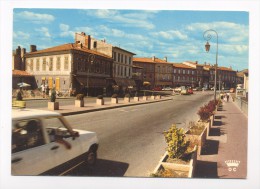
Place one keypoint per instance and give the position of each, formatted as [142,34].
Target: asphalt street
[131,139]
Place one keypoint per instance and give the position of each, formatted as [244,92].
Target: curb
[107,108]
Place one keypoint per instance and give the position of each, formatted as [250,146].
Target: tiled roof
[20,73]
[180,65]
[68,46]
[149,60]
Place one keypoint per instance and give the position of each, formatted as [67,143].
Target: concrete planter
[126,99]
[152,97]
[53,105]
[136,99]
[114,100]
[158,97]
[79,103]
[199,139]
[19,104]
[187,169]
[100,102]
[145,98]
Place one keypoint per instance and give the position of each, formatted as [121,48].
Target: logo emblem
[232,165]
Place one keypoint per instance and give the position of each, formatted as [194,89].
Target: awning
[91,82]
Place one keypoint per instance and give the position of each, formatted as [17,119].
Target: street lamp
[207,36]
[91,59]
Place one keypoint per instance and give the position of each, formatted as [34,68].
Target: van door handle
[16,160]
[54,147]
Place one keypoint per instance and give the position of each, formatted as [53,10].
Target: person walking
[227,97]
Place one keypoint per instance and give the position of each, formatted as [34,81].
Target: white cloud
[64,27]
[44,31]
[171,34]
[21,35]
[35,17]
[136,19]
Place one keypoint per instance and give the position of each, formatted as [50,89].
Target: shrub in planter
[19,96]
[19,101]
[204,113]
[114,99]
[100,100]
[127,98]
[176,144]
[79,102]
[53,105]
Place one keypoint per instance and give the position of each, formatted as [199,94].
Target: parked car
[197,89]
[190,90]
[177,89]
[184,90]
[167,89]
[43,142]
[157,89]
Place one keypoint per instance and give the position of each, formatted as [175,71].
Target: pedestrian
[227,97]
[47,90]
[43,90]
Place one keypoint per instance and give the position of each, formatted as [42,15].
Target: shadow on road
[102,168]
[206,169]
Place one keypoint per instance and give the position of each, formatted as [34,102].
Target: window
[66,63]
[122,58]
[130,61]
[114,56]
[118,57]
[44,64]
[125,59]
[27,134]
[179,71]
[37,64]
[174,70]
[51,64]
[125,72]
[58,63]
[95,44]
[183,71]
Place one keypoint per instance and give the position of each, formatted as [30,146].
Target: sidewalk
[226,145]
[92,107]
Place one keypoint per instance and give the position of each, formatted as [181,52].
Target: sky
[177,35]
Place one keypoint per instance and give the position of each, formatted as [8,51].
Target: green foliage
[100,97]
[53,95]
[80,96]
[176,144]
[196,128]
[114,96]
[19,96]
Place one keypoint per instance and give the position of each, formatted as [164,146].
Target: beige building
[70,66]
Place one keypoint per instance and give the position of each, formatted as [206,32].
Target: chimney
[88,41]
[196,62]
[165,58]
[23,52]
[33,48]
[153,58]
[205,63]
[18,51]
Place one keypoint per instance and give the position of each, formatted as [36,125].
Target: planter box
[136,99]
[188,169]
[200,139]
[53,105]
[100,101]
[127,99]
[158,97]
[145,98]
[19,104]
[79,103]
[114,100]
[152,97]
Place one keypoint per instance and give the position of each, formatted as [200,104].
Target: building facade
[70,66]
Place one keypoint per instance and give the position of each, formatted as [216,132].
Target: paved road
[131,139]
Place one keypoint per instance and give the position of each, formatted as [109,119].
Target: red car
[157,89]
[190,91]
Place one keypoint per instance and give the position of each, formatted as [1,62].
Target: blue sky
[175,34]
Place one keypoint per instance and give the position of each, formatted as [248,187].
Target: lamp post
[91,59]
[207,36]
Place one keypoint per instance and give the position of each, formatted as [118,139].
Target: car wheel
[91,158]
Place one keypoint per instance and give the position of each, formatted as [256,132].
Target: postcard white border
[6,22]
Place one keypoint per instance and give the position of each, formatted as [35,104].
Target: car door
[31,154]
[65,146]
